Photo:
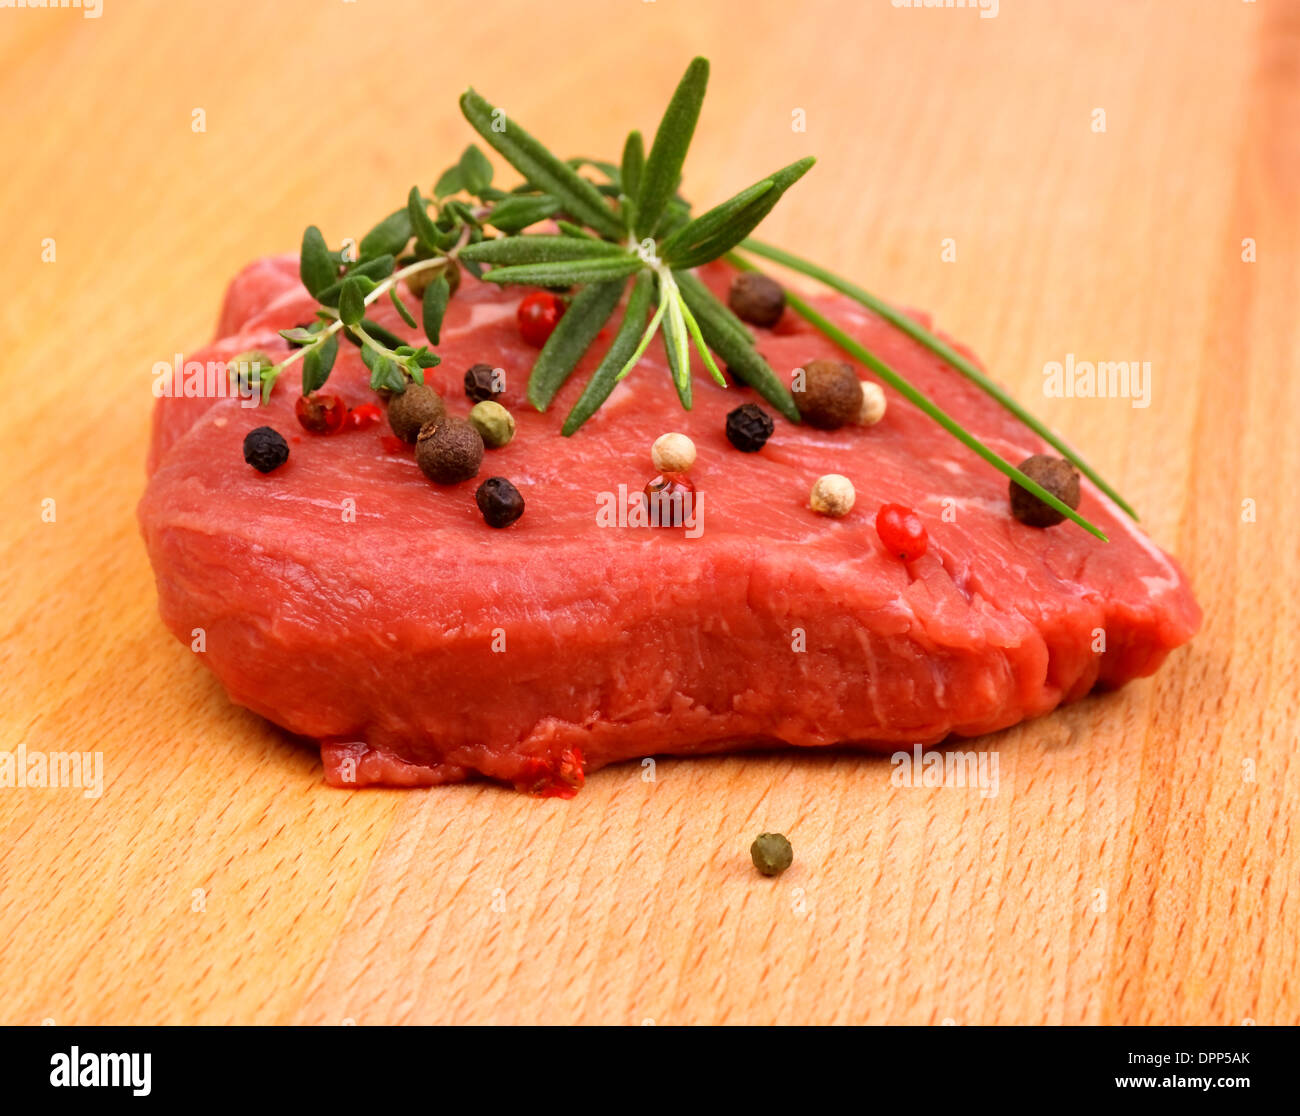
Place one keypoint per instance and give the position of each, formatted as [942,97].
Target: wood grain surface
[1138,864]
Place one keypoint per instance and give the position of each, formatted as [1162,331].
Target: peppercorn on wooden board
[1045,182]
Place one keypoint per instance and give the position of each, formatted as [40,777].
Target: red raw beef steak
[347,599]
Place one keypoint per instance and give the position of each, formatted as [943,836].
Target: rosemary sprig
[632,226]
[938,346]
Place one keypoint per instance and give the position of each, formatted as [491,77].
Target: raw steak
[350,601]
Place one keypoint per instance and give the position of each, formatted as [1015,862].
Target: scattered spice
[495,425]
[265,449]
[771,853]
[538,315]
[321,412]
[368,414]
[411,411]
[756,298]
[832,495]
[873,404]
[902,531]
[482,383]
[673,453]
[669,499]
[449,452]
[831,395]
[1054,474]
[499,501]
[749,427]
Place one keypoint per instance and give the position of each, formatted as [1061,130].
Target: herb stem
[268,381]
[894,380]
[938,346]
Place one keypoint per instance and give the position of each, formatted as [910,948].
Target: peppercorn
[873,404]
[902,532]
[757,299]
[482,383]
[265,449]
[670,499]
[831,394]
[495,425]
[247,369]
[672,453]
[321,412]
[538,315]
[499,501]
[1055,475]
[771,853]
[411,411]
[449,452]
[749,427]
[832,495]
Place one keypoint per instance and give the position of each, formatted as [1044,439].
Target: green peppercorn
[417,406]
[496,425]
[1055,475]
[757,299]
[246,370]
[771,853]
[449,452]
[830,395]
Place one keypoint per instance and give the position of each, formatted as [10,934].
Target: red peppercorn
[321,413]
[392,444]
[366,415]
[902,531]
[538,315]
[670,499]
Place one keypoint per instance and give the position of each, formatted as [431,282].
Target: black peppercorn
[499,501]
[749,427]
[1055,475]
[481,383]
[757,299]
[771,853]
[830,395]
[409,412]
[265,449]
[449,452]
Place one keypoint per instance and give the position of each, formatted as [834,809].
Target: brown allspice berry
[830,395]
[1054,474]
[449,452]
[414,409]
[757,299]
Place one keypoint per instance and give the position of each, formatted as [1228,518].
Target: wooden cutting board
[1137,863]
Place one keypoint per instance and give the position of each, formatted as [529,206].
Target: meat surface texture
[348,600]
